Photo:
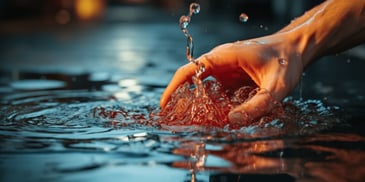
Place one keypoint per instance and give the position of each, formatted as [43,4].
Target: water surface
[54,85]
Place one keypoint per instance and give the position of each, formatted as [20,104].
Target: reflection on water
[100,131]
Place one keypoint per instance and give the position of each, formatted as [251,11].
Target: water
[70,134]
[243,17]
[283,61]
[208,104]
[71,114]
[184,22]
[205,105]
[194,8]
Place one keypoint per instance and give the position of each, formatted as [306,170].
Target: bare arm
[331,27]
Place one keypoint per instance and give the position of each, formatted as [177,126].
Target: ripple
[119,125]
[37,84]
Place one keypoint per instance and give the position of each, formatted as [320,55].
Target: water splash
[184,22]
[204,105]
[98,113]
[187,111]
[207,104]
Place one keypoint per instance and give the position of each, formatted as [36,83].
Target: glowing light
[130,85]
[89,9]
[130,60]
[122,96]
[128,82]
[123,138]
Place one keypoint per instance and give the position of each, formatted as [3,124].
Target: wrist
[329,28]
[304,45]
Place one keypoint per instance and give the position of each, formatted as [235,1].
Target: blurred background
[43,39]
[36,34]
[73,11]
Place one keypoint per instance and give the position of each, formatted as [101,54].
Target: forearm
[333,26]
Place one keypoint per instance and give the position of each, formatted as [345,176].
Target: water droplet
[184,21]
[281,154]
[283,61]
[243,17]
[200,70]
[194,8]
[189,49]
[201,67]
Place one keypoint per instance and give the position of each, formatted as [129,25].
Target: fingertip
[256,107]
[182,75]
[239,118]
[164,98]
[162,103]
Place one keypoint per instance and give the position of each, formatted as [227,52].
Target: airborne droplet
[282,61]
[194,8]
[190,49]
[184,21]
[243,17]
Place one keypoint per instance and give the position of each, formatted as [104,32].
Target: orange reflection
[89,9]
[241,157]
[325,157]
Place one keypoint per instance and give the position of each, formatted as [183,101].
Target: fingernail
[239,118]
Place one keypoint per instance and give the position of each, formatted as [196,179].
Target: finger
[260,104]
[182,75]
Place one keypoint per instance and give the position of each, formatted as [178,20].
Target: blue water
[53,82]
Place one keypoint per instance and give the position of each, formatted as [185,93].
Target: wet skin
[275,63]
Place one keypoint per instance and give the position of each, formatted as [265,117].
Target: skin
[276,62]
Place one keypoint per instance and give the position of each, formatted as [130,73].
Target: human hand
[271,63]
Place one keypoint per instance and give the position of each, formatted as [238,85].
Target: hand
[271,63]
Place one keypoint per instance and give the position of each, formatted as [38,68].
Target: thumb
[260,104]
